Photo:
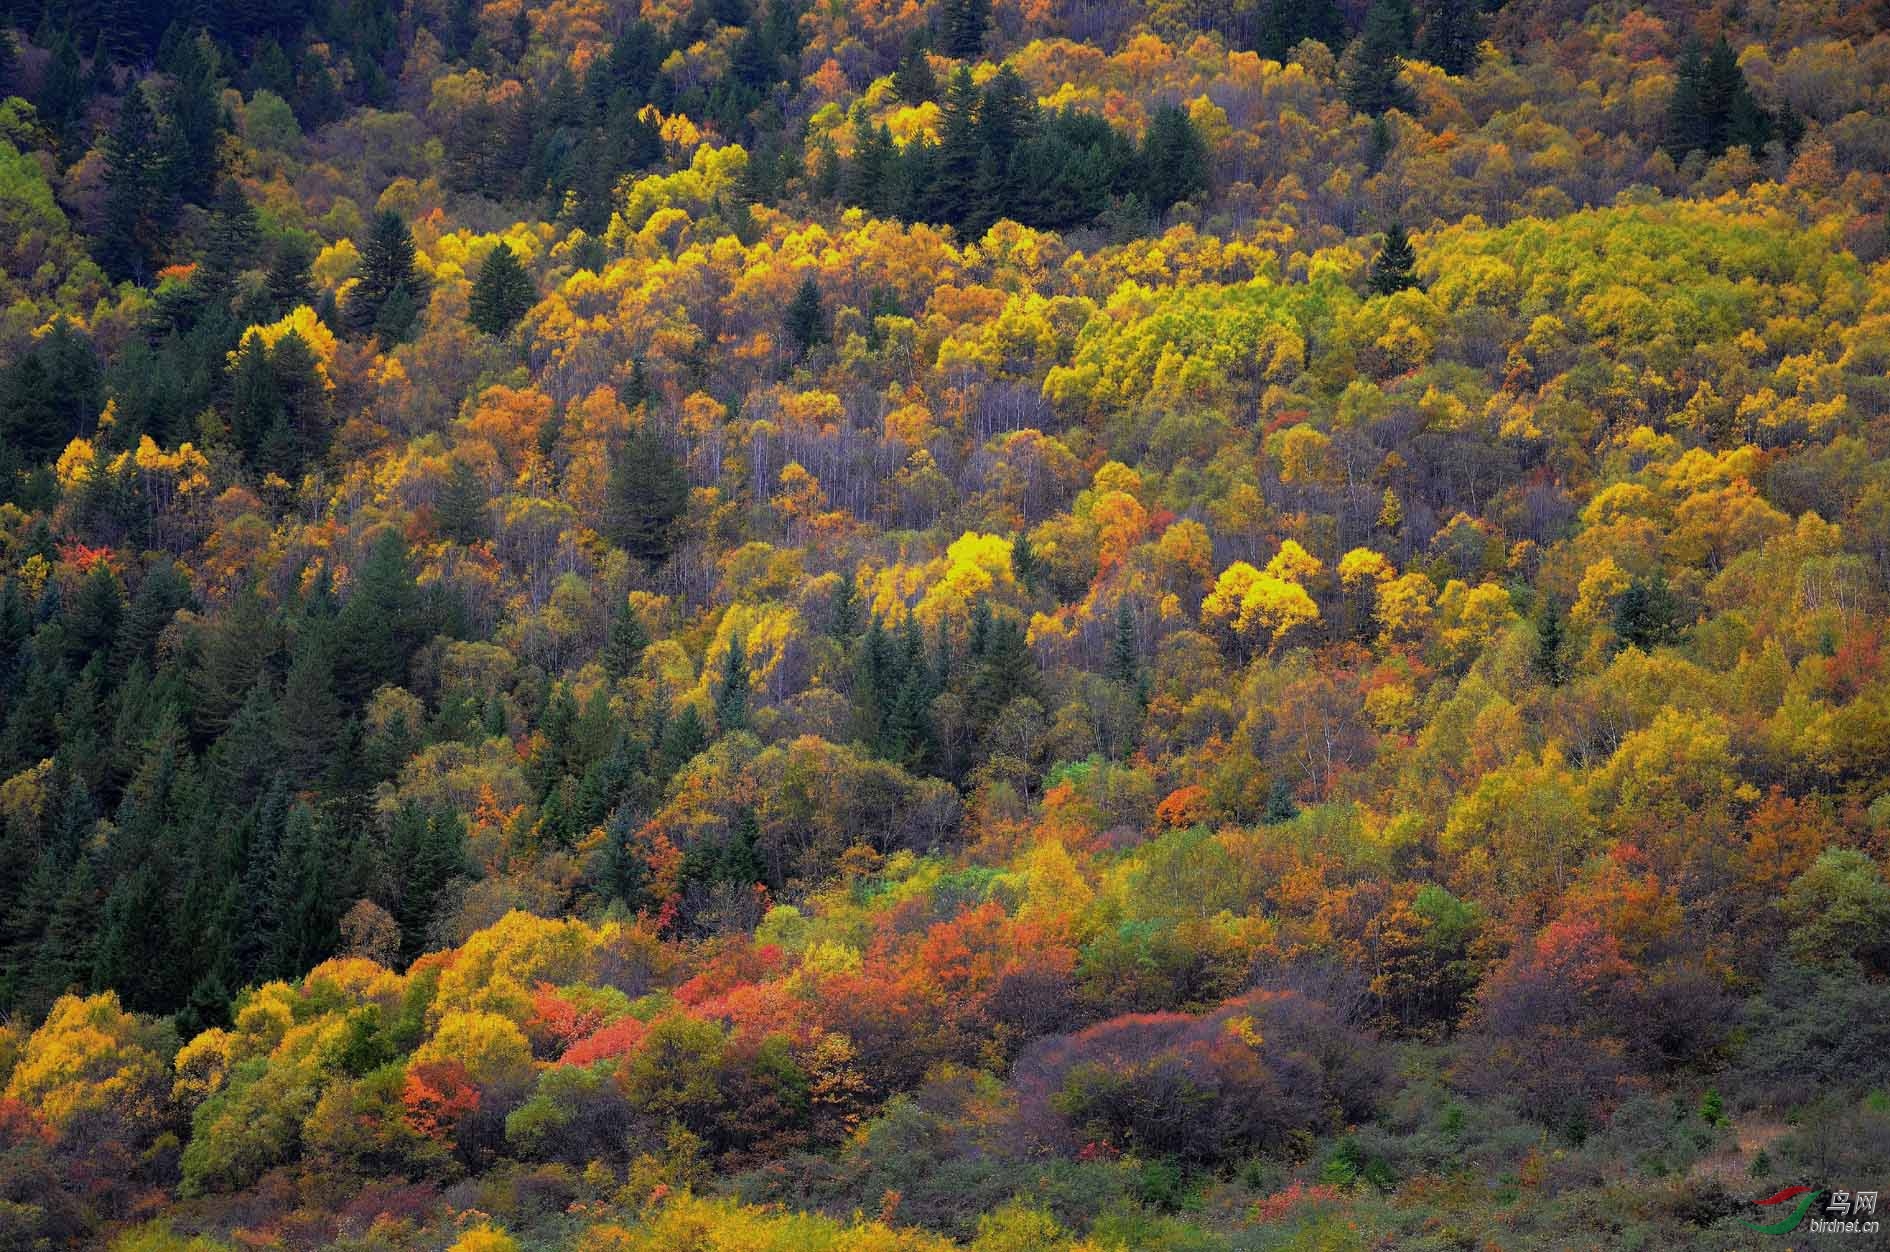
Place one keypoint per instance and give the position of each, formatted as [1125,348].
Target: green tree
[501,293]
[128,237]
[1369,76]
[966,22]
[914,80]
[645,494]
[624,646]
[1450,33]
[731,697]
[387,278]
[1392,269]
[1174,159]
[806,318]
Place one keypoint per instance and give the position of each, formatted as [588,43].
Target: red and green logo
[1805,1196]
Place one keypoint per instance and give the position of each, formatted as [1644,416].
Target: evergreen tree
[645,494]
[291,274]
[9,62]
[1372,64]
[625,644]
[1125,651]
[1712,107]
[461,511]
[806,318]
[965,24]
[1174,159]
[62,96]
[1548,661]
[128,234]
[731,699]
[683,737]
[914,80]
[309,710]
[1450,34]
[387,277]
[1024,565]
[846,608]
[502,293]
[1280,804]
[1392,269]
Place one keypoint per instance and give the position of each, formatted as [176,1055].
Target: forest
[928,625]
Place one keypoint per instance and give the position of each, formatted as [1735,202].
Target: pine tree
[806,318]
[1280,804]
[625,644]
[644,495]
[731,699]
[1392,268]
[233,240]
[387,277]
[846,608]
[309,710]
[1373,62]
[1450,34]
[501,294]
[682,738]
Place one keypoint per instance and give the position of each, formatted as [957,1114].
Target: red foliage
[438,1096]
[614,1040]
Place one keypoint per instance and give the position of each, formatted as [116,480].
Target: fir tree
[461,511]
[683,737]
[291,278]
[501,294]
[1125,650]
[1392,268]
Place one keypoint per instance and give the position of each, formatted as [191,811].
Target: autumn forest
[910,625]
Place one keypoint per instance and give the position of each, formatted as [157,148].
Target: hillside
[983,624]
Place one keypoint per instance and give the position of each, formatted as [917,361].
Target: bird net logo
[1817,1211]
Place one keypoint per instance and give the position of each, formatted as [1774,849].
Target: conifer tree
[1450,34]
[731,699]
[132,166]
[501,293]
[625,644]
[644,495]
[965,24]
[1373,62]
[461,511]
[806,319]
[387,278]
[1392,268]
[914,80]
[1174,159]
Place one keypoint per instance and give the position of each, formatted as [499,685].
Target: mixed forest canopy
[988,624]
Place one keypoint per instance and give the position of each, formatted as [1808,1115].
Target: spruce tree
[806,318]
[645,494]
[461,511]
[1372,64]
[1174,159]
[132,166]
[731,699]
[291,278]
[965,24]
[1125,651]
[1450,34]
[387,277]
[625,644]
[1548,661]
[1392,268]
[914,80]
[501,293]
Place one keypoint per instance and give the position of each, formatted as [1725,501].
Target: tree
[1392,268]
[806,319]
[501,294]
[384,299]
[1174,159]
[646,493]
[731,698]
[1549,664]
[234,237]
[1712,107]
[461,511]
[914,80]
[624,646]
[1374,61]
[129,234]
[965,24]
[1450,33]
